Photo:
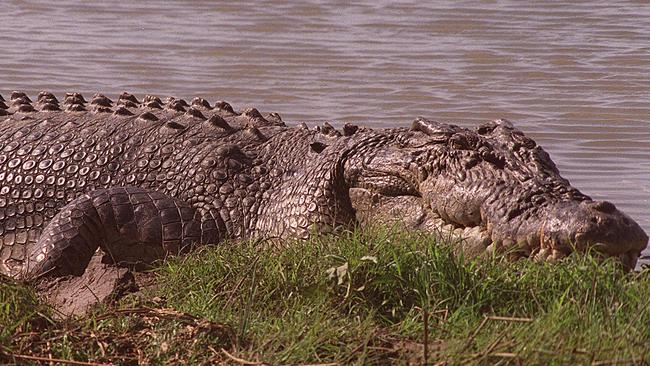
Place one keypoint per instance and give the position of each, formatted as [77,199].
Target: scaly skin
[495,188]
[142,180]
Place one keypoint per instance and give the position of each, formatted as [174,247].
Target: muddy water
[576,77]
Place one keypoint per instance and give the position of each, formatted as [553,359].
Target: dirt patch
[75,295]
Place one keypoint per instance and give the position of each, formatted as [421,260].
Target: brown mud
[74,295]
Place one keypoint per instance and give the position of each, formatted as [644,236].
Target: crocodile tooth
[556,255]
[532,240]
[491,249]
[3,105]
[1,98]
[508,244]
[542,255]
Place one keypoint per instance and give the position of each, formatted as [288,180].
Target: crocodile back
[51,154]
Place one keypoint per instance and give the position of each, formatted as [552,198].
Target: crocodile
[133,181]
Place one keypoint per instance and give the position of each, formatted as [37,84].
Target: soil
[75,295]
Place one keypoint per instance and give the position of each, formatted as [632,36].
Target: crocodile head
[492,188]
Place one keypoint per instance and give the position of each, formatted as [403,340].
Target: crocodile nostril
[594,220]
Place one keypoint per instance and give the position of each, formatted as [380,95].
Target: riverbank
[360,298]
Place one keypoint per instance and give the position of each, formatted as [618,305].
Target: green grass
[358,298]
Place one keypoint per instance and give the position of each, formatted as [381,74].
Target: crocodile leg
[132,226]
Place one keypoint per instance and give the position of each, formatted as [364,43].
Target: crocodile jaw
[410,212]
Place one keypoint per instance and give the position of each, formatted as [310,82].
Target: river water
[574,76]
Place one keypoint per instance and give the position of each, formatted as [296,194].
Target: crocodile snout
[602,227]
